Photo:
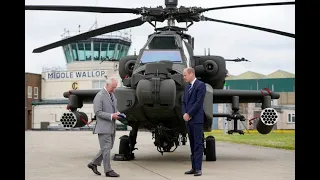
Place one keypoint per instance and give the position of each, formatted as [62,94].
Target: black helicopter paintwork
[153,79]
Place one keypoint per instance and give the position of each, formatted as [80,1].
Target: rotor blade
[248,5]
[81,9]
[252,27]
[93,33]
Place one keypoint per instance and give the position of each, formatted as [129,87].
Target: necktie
[189,88]
[111,97]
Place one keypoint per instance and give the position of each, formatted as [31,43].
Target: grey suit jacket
[103,108]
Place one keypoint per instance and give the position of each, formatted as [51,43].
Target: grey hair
[110,80]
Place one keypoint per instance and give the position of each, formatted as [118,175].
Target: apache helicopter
[153,80]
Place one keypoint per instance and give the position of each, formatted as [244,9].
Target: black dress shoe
[192,171]
[93,167]
[112,174]
[198,173]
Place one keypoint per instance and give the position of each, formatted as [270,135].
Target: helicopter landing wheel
[184,139]
[210,150]
[124,149]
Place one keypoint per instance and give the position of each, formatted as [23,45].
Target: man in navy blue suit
[193,114]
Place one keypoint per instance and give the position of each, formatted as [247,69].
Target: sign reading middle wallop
[75,74]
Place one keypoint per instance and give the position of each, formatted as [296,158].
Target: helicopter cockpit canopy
[150,56]
[162,47]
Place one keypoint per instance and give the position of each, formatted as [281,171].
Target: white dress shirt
[192,82]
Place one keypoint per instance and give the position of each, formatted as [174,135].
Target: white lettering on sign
[75,74]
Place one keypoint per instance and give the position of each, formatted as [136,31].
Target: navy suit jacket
[192,102]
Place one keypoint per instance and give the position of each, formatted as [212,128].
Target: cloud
[267,52]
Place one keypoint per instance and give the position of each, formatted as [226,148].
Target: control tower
[88,63]
[96,52]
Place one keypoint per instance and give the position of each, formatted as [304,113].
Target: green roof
[280,74]
[249,75]
[254,75]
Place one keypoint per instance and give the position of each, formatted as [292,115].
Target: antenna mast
[95,24]
[96,21]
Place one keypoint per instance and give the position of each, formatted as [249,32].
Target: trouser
[195,135]
[106,143]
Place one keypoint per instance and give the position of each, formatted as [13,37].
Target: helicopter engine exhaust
[73,119]
[208,68]
[211,70]
[128,67]
[268,118]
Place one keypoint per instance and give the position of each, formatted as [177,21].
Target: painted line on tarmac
[150,170]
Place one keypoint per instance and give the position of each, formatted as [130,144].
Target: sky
[267,52]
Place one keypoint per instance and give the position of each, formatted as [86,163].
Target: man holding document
[105,109]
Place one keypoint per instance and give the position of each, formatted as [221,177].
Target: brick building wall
[32,93]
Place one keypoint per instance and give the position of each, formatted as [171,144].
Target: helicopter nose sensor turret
[156,88]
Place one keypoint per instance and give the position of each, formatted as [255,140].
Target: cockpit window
[166,55]
[163,42]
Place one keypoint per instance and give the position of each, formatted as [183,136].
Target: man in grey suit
[105,109]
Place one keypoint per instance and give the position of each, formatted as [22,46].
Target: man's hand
[115,116]
[186,117]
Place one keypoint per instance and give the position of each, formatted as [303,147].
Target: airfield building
[32,94]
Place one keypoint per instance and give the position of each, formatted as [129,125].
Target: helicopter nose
[152,92]
[157,87]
